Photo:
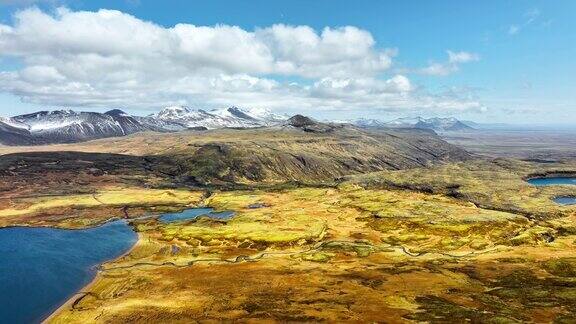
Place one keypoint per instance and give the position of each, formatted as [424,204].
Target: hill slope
[301,150]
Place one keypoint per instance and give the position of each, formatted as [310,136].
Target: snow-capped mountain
[12,134]
[436,123]
[218,118]
[404,122]
[12,123]
[364,122]
[66,126]
[72,126]
[260,115]
[443,124]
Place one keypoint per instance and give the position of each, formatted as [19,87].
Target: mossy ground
[81,210]
[339,254]
[498,184]
[461,242]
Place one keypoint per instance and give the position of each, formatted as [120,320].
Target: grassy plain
[494,184]
[532,144]
[340,254]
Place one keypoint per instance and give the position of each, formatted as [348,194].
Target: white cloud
[109,58]
[455,59]
[513,29]
[279,49]
[529,18]
[439,69]
[462,57]
[337,52]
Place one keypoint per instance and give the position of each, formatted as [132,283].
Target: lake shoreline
[83,265]
[71,300]
[108,221]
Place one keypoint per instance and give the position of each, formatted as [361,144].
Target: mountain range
[437,124]
[68,126]
[179,117]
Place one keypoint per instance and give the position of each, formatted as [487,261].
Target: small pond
[552,181]
[189,214]
[565,200]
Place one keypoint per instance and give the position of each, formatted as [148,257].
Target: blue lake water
[565,200]
[554,181]
[41,268]
[195,213]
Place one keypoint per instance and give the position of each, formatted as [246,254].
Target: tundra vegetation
[453,240]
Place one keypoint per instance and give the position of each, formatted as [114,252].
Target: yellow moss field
[104,197]
[333,254]
[499,184]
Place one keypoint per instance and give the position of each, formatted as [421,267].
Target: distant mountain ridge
[68,126]
[437,124]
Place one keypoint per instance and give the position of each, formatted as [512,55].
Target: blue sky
[513,61]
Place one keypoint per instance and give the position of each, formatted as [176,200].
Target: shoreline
[71,300]
[55,227]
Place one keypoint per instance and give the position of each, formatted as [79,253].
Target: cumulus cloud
[279,49]
[109,58]
[455,59]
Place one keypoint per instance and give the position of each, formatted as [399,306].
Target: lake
[553,181]
[41,268]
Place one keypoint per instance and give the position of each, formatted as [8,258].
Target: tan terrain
[338,226]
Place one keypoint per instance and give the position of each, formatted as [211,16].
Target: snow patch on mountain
[435,123]
[14,123]
[48,120]
[65,126]
[218,118]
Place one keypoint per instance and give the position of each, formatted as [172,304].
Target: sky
[489,61]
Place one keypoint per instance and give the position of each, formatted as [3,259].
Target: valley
[330,223]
